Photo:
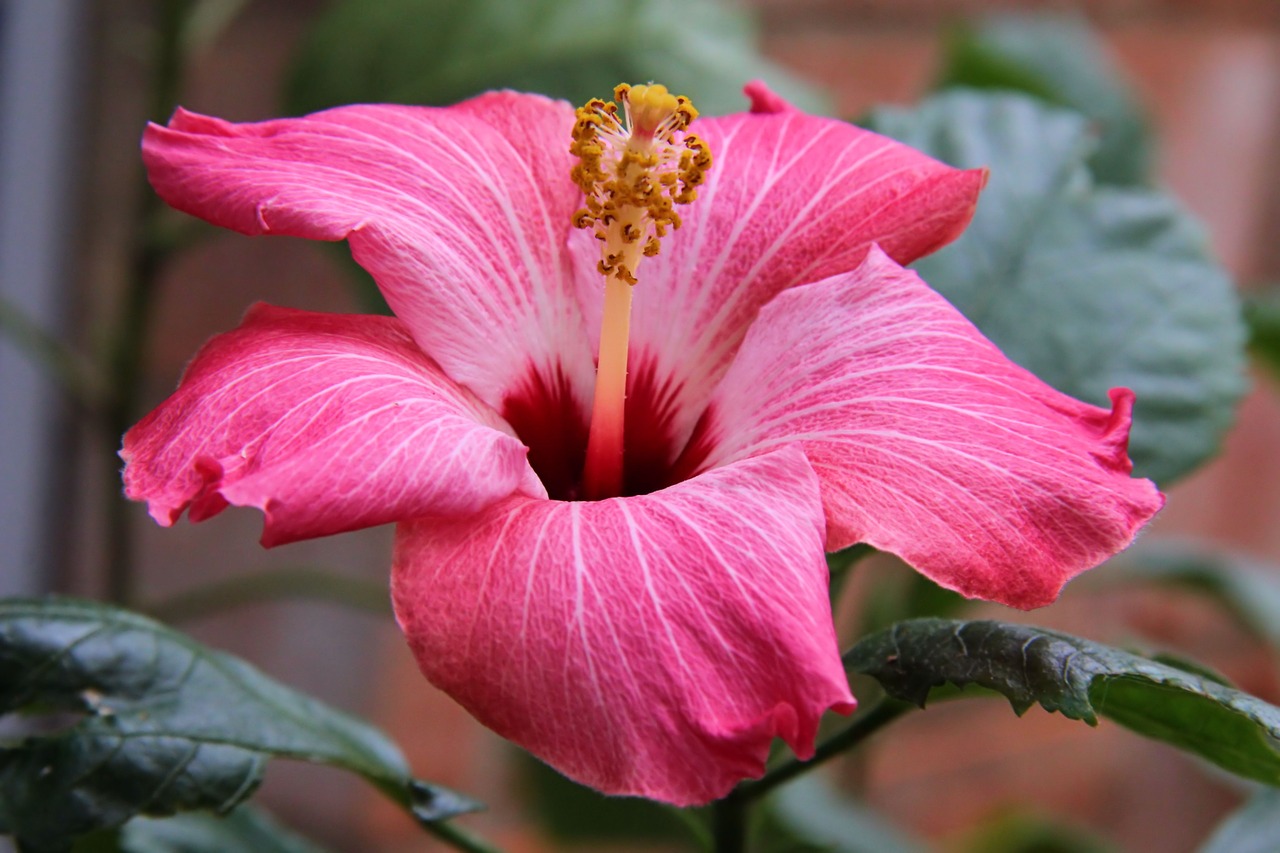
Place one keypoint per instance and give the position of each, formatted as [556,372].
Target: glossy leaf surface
[1081,679]
[153,723]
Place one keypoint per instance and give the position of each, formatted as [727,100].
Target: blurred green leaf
[907,595]
[575,813]
[244,829]
[807,815]
[1083,680]
[1060,60]
[1087,287]
[153,723]
[442,51]
[1262,314]
[1032,833]
[1255,828]
[1249,588]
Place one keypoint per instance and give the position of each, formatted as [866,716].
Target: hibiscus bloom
[791,389]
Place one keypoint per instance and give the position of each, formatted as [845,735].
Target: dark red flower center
[554,426]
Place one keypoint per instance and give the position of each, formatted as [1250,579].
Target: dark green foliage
[245,829]
[1081,679]
[157,724]
[1262,313]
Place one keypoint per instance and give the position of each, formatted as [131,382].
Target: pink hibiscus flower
[791,390]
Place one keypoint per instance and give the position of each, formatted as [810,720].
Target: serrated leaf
[165,725]
[245,828]
[1088,287]
[1254,828]
[1082,680]
[807,814]
[1248,588]
[442,51]
[1058,59]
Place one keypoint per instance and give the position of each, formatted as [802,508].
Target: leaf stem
[862,727]
[459,839]
[297,582]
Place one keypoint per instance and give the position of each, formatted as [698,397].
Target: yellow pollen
[633,169]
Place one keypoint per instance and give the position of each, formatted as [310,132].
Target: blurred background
[89,258]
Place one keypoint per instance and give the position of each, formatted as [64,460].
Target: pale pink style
[792,390]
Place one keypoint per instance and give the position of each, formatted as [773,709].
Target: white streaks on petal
[650,645]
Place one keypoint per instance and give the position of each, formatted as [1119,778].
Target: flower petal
[929,443]
[651,645]
[326,423]
[459,213]
[790,199]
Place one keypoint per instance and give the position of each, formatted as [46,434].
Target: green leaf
[1252,829]
[1248,588]
[1083,680]
[1060,60]
[807,814]
[570,812]
[245,828]
[442,51]
[162,725]
[1087,287]
[1262,314]
[1032,833]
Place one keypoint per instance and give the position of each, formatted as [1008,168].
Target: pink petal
[459,213]
[929,443]
[790,199]
[326,423]
[651,645]
[765,100]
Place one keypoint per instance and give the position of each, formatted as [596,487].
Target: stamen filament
[631,177]
[603,475]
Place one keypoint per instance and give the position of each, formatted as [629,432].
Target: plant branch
[729,822]
[862,727]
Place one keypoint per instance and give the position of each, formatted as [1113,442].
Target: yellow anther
[648,107]
[633,171]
